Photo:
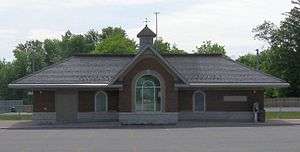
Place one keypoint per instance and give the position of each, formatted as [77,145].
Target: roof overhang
[259,85]
[104,85]
[41,86]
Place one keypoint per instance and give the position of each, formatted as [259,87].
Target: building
[147,88]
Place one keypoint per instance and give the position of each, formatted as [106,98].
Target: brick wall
[86,100]
[44,101]
[215,102]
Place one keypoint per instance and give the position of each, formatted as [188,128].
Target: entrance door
[66,105]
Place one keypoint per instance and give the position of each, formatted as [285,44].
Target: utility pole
[257,59]
[156,13]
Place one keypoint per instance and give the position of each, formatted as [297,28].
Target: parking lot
[230,139]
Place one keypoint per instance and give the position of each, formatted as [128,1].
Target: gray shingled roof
[146,32]
[97,69]
[79,70]
[217,69]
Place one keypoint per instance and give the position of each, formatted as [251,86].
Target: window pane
[148,78]
[158,99]
[101,102]
[138,103]
[148,83]
[199,102]
[147,94]
[148,99]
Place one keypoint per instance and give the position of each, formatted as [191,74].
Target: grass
[283,115]
[15,116]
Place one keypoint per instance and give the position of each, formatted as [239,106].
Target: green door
[66,105]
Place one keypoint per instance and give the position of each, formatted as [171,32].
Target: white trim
[240,84]
[235,98]
[106,102]
[58,84]
[52,85]
[204,104]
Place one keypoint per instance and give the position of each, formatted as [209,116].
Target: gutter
[264,85]
[26,86]
[104,85]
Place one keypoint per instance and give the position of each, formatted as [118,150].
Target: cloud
[71,3]
[186,23]
[42,34]
[228,22]
[8,31]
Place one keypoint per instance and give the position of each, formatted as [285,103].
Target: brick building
[147,88]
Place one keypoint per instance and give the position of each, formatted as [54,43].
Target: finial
[146,21]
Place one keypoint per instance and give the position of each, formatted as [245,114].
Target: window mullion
[154,93]
[142,109]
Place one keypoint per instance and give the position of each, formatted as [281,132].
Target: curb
[119,126]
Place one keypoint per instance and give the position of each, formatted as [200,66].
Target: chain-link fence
[282,104]
[7,106]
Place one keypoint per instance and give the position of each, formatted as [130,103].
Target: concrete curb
[120,126]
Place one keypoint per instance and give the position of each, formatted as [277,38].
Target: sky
[186,23]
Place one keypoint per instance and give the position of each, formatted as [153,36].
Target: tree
[116,44]
[92,37]
[207,47]
[249,60]
[282,58]
[30,57]
[284,48]
[73,44]
[111,31]
[166,48]
[52,50]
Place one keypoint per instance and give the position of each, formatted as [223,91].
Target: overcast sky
[184,23]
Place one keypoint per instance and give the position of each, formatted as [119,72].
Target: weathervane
[146,21]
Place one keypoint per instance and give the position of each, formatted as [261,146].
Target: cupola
[146,36]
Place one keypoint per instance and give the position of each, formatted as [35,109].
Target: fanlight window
[100,102]
[147,94]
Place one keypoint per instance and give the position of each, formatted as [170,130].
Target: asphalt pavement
[149,139]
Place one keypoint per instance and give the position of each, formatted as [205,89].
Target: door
[66,105]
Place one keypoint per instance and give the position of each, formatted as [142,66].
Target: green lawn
[15,116]
[283,115]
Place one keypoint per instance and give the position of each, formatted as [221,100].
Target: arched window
[147,94]
[199,101]
[100,102]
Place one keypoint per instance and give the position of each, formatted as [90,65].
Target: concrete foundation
[44,117]
[216,116]
[148,118]
[97,116]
